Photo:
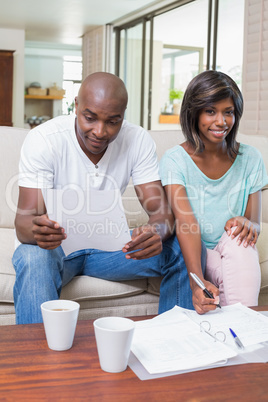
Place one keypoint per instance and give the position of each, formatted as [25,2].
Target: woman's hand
[246,231]
[203,304]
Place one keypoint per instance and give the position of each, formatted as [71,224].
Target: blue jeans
[40,275]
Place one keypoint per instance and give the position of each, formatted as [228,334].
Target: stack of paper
[173,342]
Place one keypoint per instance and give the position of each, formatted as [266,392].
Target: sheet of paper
[178,344]
[250,326]
[91,219]
[258,356]
[166,341]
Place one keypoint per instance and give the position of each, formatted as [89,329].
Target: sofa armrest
[264,213]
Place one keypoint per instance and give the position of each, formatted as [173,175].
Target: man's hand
[146,240]
[203,304]
[47,233]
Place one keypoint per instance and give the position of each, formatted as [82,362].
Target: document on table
[174,343]
[251,326]
[91,218]
[167,345]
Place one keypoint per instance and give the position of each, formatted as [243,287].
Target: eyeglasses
[205,326]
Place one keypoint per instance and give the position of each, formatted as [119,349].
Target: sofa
[99,297]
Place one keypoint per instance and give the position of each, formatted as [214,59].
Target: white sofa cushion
[7,272]
[80,288]
[262,246]
[257,141]
[89,288]
[264,214]
[11,140]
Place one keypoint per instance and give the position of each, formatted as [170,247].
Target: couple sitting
[210,195]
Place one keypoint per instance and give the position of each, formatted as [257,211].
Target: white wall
[43,69]
[46,69]
[44,64]
[13,39]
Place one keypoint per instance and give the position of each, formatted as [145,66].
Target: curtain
[96,50]
[255,68]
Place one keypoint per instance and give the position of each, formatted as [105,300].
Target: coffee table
[30,371]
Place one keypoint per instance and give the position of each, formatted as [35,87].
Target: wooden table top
[30,371]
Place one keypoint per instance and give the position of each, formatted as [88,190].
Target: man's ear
[76,103]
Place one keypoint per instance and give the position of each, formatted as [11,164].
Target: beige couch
[97,297]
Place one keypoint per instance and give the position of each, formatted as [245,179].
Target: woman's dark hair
[205,89]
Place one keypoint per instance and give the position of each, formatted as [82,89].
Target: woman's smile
[216,121]
[219,133]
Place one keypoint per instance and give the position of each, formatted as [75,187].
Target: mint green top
[215,201]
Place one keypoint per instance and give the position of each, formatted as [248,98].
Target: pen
[202,286]
[236,339]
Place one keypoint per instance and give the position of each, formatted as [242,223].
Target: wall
[13,39]
[43,69]
[44,64]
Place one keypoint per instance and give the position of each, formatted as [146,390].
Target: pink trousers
[235,270]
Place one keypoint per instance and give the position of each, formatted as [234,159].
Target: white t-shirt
[51,157]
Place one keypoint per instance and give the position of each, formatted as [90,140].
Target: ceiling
[63,21]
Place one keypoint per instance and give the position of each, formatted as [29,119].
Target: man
[96,148]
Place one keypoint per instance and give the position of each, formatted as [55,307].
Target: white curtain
[97,50]
[255,68]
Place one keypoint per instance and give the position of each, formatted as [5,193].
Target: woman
[213,185]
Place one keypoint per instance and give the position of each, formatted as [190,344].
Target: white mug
[60,319]
[113,337]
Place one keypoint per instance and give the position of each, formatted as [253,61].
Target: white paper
[250,326]
[91,219]
[258,356]
[176,344]
[172,342]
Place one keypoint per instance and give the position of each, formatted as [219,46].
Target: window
[181,54]
[72,77]
[230,39]
[158,54]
